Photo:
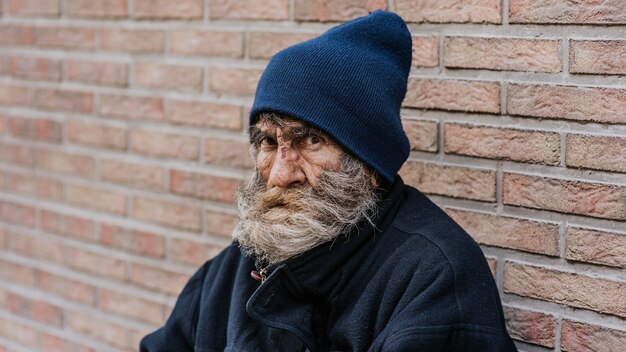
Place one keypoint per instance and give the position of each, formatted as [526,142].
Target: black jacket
[416,283]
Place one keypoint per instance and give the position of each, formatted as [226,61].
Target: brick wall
[122,141]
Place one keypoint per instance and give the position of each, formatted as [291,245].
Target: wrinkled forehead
[289,127]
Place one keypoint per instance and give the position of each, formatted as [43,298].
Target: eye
[312,140]
[268,141]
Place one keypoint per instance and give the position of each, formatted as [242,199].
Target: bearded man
[333,252]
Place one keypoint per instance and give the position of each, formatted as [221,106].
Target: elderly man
[333,252]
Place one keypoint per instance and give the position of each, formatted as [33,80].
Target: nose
[286,171]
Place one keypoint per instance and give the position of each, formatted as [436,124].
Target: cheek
[264,163]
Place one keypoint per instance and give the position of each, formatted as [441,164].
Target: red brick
[63,100]
[34,68]
[220,223]
[508,232]
[198,113]
[44,130]
[97,72]
[96,199]
[589,56]
[15,213]
[326,10]
[95,263]
[36,247]
[530,326]
[446,11]
[595,152]
[168,10]
[15,96]
[132,41]
[565,196]
[131,307]
[425,51]
[249,9]
[178,215]
[508,54]
[73,290]
[65,163]
[502,143]
[575,290]
[94,326]
[493,263]
[158,279]
[97,8]
[207,43]
[567,102]
[23,334]
[229,80]
[67,225]
[134,241]
[452,181]
[600,247]
[203,186]
[17,273]
[166,76]
[165,145]
[16,35]
[582,337]
[131,107]
[566,12]
[34,186]
[453,95]
[66,37]
[52,343]
[33,8]
[34,309]
[192,252]
[423,135]
[96,135]
[262,45]
[2,239]
[227,152]
[133,175]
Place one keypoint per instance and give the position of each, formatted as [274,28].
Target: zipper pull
[259,276]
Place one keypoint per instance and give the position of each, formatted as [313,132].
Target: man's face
[292,154]
[306,191]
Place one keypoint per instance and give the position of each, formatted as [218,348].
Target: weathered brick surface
[33,68]
[20,274]
[96,199]
[65,163]
[134,241]
[133,175]
[203,186]
[238,81]
[601,247]
[202,114]
[423,135]
[567,102]
[168,10]
[15,213]
[595,152]
[133,41]
[566,196]
[67,225]
[577,336]
[36,247]
[131,107]
[227,152]
[262,45]
[166,76]
[63,287]
[192,252]
[95,263]
[249,9]
[130,306]
[33,186]
[508,232]
[34,309]
[78,38]
[472,11]
[44,130]
[96,135]
[453,95]
[167,213]
[326,10]
[33,8]
[458,182]
[570,289]
[530,326]
[425,51]
[502,143]
[205,43]
[509,54]
[62,100]
[97,8]
[158,279]
[165,145]
[90,325]
[564,11]
[220,223]
[590,56]
[98,72]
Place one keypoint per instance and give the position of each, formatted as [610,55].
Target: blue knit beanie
[349,82]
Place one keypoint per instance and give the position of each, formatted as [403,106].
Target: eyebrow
[257,134]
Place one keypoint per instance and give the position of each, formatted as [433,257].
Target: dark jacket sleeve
[178,333]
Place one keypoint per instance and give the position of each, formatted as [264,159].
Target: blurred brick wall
[122,141]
